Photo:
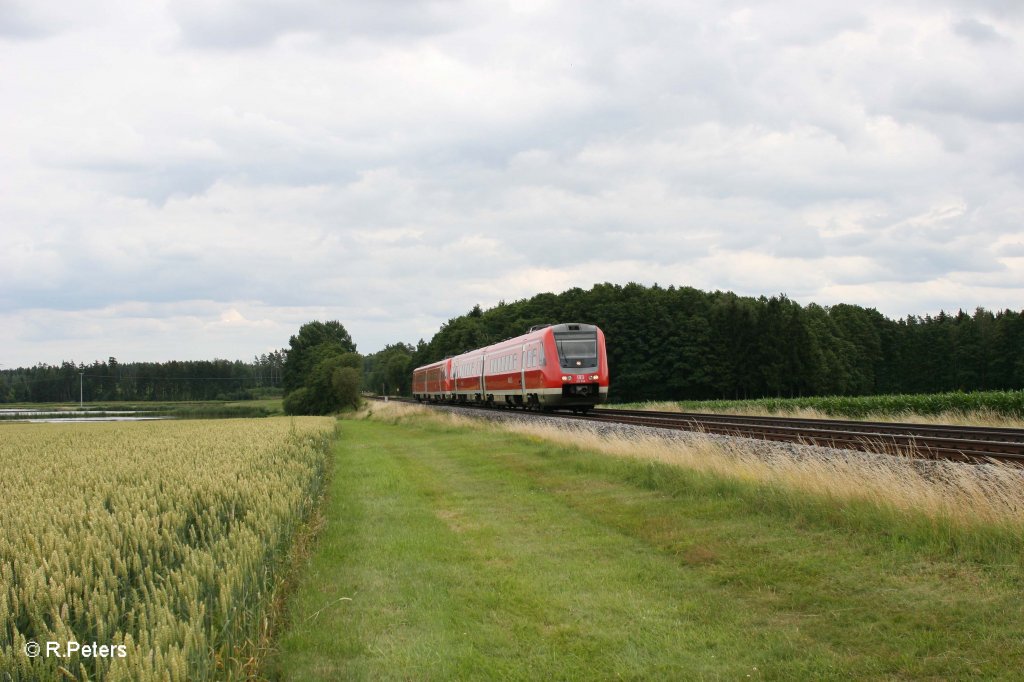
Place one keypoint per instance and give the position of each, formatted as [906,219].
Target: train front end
[580,371]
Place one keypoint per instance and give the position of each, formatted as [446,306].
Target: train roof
[562,327]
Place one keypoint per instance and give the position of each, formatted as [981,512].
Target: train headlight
[566,377]
[594,377]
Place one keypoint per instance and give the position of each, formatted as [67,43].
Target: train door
[522,372]
[483,378]
[455,380]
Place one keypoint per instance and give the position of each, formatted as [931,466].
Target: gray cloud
[977,31]
[21,20]
[237,24]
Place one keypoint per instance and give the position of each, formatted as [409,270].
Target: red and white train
[560,366]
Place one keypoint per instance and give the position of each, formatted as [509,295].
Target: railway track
[957,443]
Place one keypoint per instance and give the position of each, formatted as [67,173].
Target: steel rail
[986,433]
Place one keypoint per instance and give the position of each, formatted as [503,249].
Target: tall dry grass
[976,417]
[967,496]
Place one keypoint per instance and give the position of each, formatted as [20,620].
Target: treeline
[663,344]
[389,370]
[175,380]
[683,343]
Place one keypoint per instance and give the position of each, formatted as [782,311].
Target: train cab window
[577,350]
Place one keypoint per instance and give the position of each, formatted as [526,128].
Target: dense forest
[176,380]
[683,343]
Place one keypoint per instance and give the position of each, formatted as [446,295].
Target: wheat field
[160,541]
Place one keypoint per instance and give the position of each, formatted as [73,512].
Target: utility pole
[81,380]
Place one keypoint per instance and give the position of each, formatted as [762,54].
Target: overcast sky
[192,179]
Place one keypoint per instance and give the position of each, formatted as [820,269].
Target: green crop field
[190,409]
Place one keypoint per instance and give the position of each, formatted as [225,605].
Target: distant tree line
[682,343]
[175,380]
[389,370]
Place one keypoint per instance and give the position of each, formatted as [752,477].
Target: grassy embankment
[458,552]
[988,408]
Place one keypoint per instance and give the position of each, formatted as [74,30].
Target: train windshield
[577,350]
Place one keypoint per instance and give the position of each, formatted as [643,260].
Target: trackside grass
[454,551]
[981,408]
[162,541]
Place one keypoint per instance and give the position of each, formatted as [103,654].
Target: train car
[561,366]
[433,382]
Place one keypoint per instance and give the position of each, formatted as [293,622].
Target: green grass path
[459,554]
